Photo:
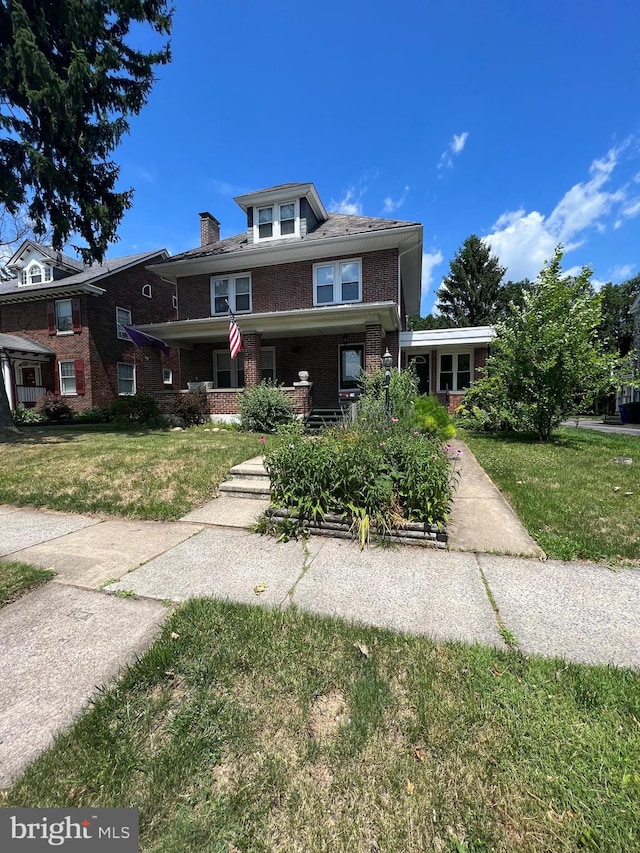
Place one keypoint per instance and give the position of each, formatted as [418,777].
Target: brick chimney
[209,229]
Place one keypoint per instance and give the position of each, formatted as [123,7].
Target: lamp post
[386,363]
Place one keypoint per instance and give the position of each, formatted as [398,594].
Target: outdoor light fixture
[386,363]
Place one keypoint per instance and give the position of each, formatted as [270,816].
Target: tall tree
[616,328]
[468,295]
[415,323]
[69,80]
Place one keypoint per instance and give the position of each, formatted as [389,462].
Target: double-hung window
[455,371]
[64,315]
[228,372]
[337,282]
[277,220]
[232,291]
[126,378]
[269,363]
[67,378]
[123,318]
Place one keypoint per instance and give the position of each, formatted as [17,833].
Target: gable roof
[80,282]
[57,258]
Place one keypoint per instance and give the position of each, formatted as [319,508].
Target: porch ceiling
[327,320]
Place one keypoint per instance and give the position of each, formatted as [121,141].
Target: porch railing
[29,393]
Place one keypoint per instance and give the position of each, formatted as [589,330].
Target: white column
[6,376]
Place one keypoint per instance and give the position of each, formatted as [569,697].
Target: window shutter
[78,366]
[51,317]
[76,315]
[56,378]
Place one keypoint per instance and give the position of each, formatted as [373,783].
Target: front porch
[27,370]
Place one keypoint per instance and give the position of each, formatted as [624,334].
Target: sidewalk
[61,642]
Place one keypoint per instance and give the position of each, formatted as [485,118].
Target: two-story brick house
[61,327]
[312,291]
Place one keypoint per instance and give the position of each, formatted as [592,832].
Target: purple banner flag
[142,339]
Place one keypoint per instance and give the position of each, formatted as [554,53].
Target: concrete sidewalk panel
[91,557]
[221,563]
[581,612]
[57,646]
[24,528]
[5,509]
[410,589]
[228,511]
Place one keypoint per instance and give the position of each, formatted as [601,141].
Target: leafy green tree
[616,327]
[511,292]
[415,323]
[69,80]
[546,358]
[468,295]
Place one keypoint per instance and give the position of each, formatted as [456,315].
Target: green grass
[575,501]
[148,475]
[17,578]
[246,729]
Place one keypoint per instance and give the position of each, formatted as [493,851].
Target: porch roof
[327,320]
[16,345]
[435,338]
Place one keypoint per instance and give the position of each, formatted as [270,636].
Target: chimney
[209,229]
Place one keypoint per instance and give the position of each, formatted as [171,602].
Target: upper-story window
[337,282]
[64,315]
[36,273]
[123,318]
[232,291]
[277,220]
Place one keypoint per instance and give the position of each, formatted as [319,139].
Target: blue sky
[517,121]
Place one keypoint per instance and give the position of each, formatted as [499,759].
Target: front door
[29,377]
[351,366]
[421,366]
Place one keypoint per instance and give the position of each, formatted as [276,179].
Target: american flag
[235,338]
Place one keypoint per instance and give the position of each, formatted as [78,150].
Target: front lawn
[17,578]
[573,498]
[246,729]
[148,475]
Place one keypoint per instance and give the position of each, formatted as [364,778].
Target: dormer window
[277,220]
[36,273]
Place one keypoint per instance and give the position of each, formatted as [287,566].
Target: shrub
[403,389]
[27,416]
[137,409]
[264,408]
[487,407]
[54,408]
[94,415]
[191,407]
[432,417]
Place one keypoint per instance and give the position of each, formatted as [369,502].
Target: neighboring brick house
[61,327]
[447,361]
[312,292]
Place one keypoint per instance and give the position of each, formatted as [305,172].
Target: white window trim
[122,335]
[73,393]
[275,369]
[20,365]
[233,369]
[336,282]
[55,311]
[146,291]
[46,274]
[135,385]
[455,371]
[232,293]
[167,376]
[276,205]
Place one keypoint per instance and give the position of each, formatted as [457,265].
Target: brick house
[317,293]
[61,327]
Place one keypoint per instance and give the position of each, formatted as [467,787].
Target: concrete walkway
[61,642]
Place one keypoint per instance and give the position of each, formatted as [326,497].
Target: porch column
[252,350]
[6,378]
[372,347]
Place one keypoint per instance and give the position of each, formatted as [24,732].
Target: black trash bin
[623,413]
[633,413]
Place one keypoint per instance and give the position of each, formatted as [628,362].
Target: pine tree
[468,296]
[69,80]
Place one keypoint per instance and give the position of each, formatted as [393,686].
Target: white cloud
[454,147]
[525,240]
[351,203]
[225,188]
[459,142]
[389,205]
[632,208]
[430,260]
[621,272]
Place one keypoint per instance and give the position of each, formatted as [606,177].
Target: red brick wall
[285,287]
[227,402]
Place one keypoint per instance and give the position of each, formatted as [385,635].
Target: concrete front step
[245,487]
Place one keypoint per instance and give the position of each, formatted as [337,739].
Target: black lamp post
[386,363]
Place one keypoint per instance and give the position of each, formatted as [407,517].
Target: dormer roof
[29,250]
[283,192]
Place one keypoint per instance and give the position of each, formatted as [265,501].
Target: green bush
[384,476]
[54,408]
[403,389]
[135,410]
[432,417]
[264,408]
[94,415]
[27,416]
[487,408]
[191,407]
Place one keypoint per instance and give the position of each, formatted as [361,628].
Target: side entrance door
[421,366]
